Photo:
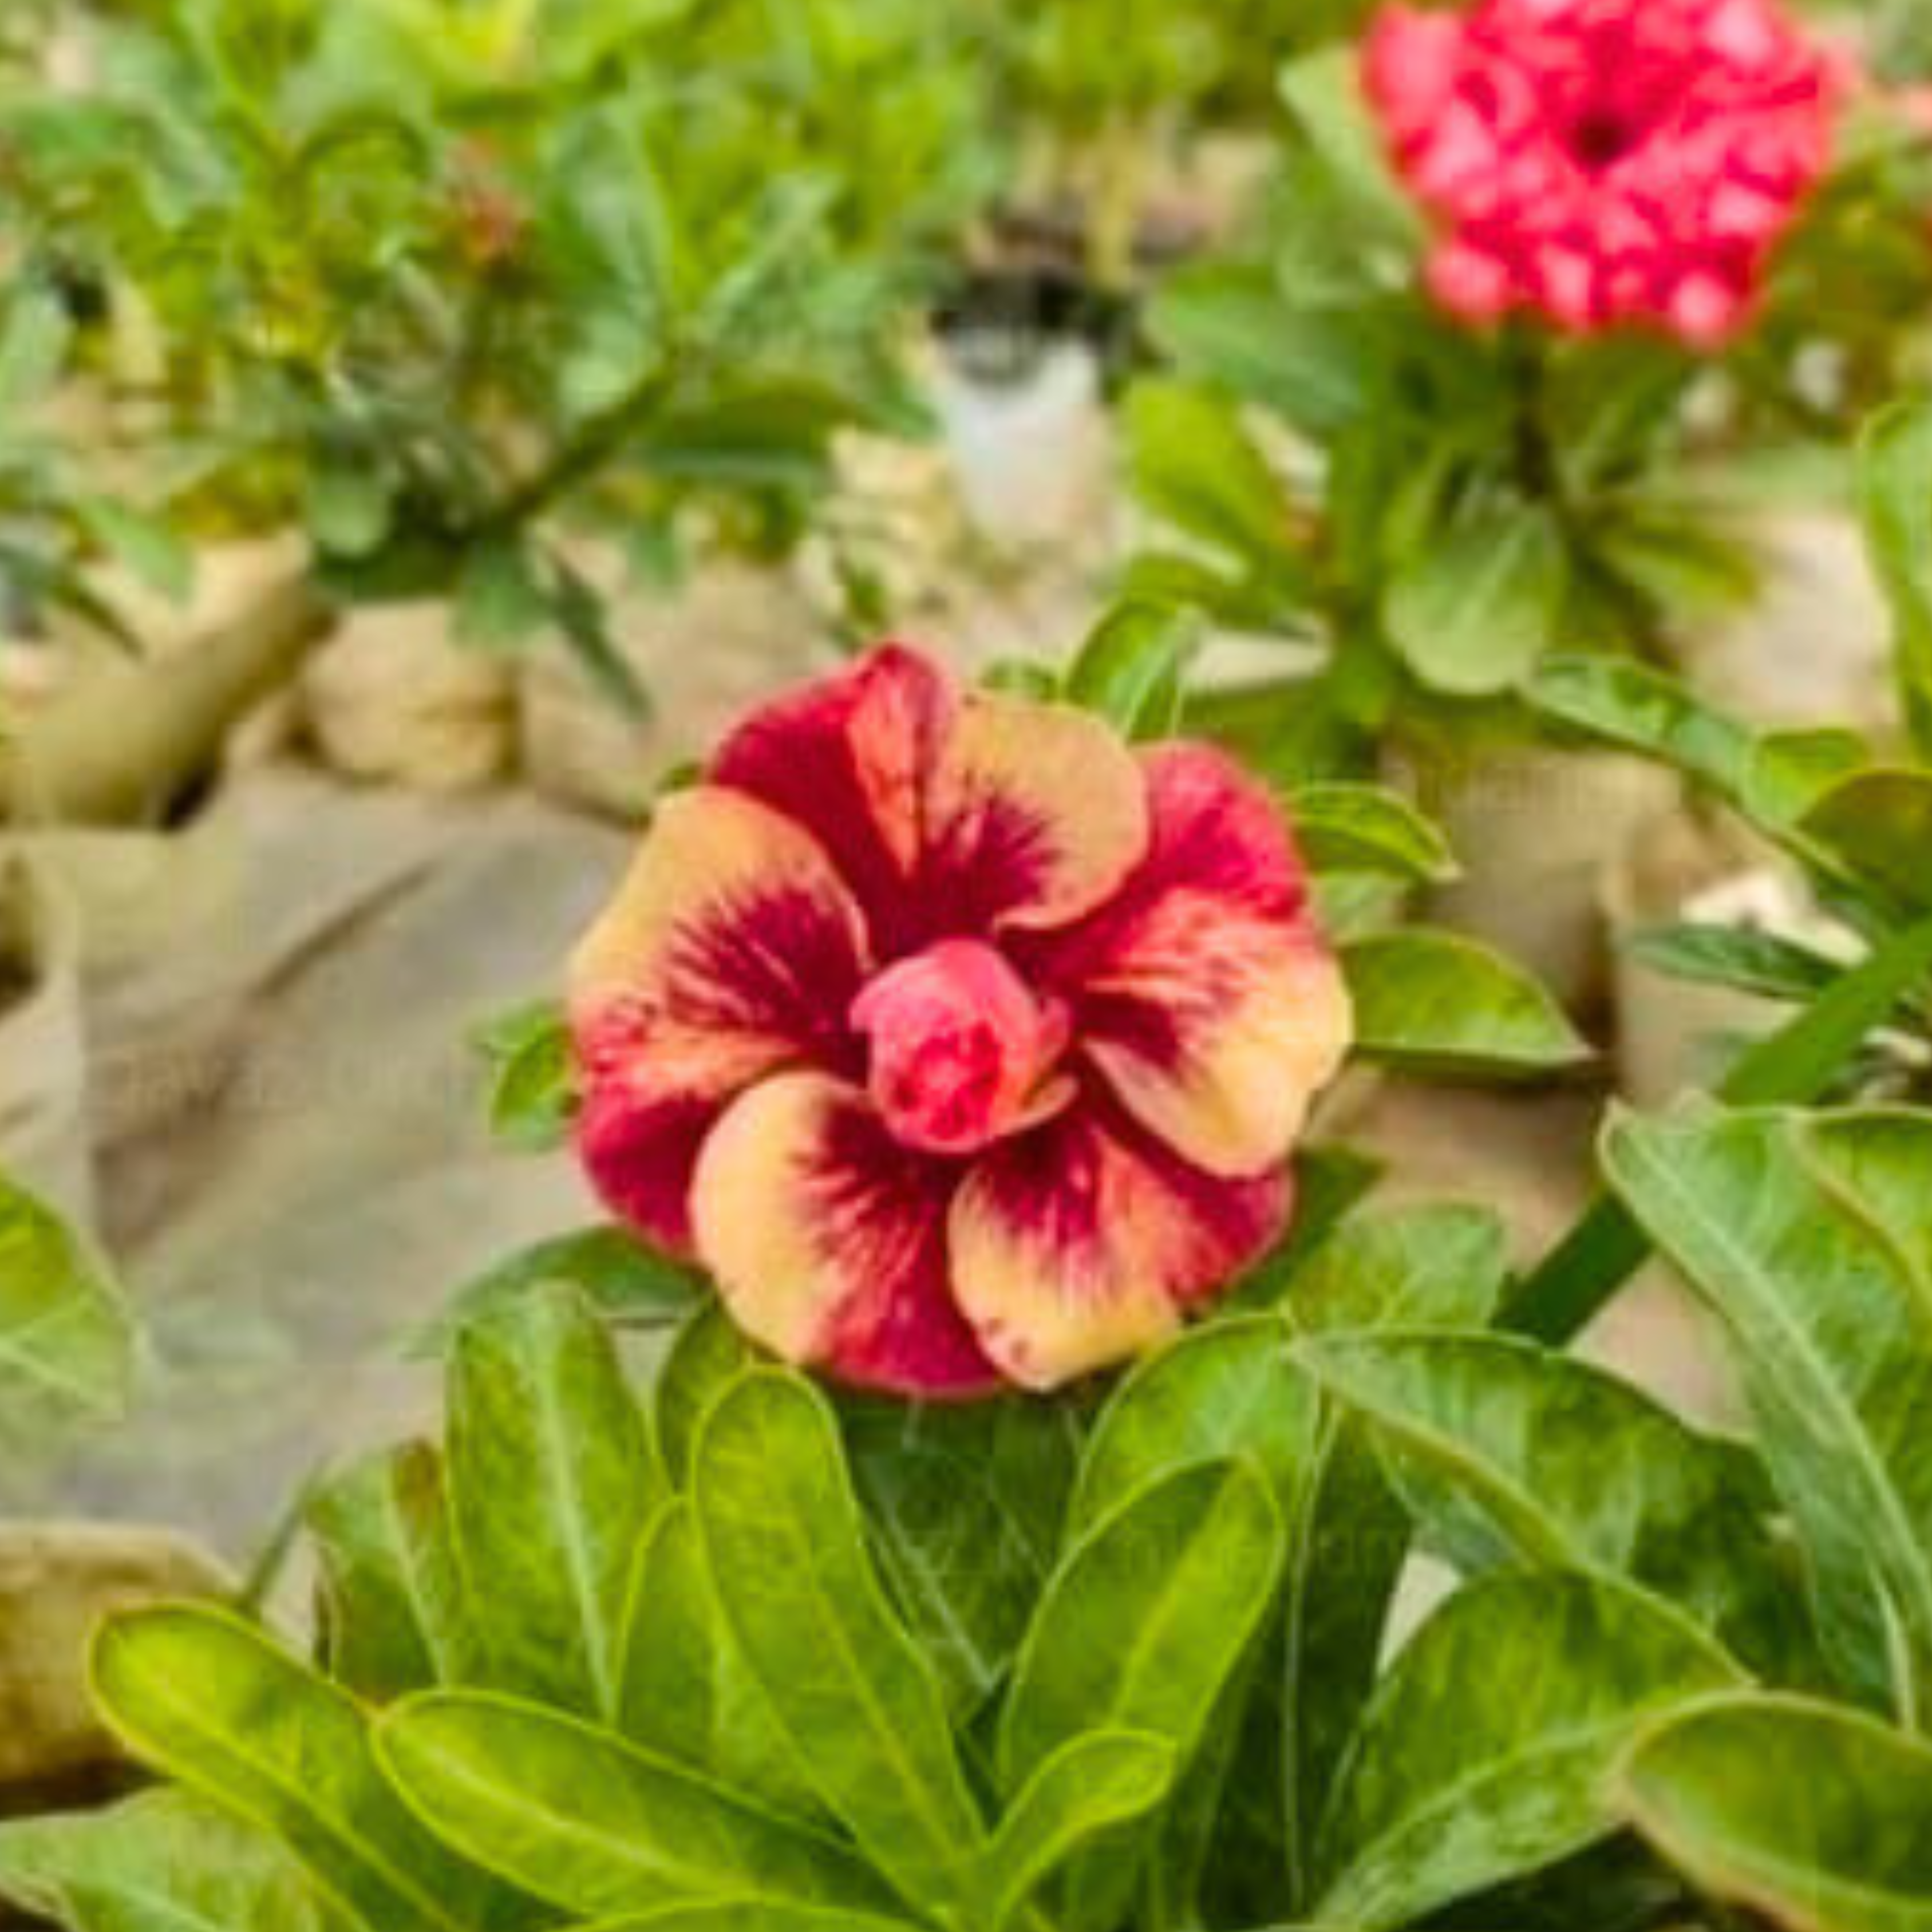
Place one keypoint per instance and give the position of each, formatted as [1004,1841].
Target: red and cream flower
[962,1044]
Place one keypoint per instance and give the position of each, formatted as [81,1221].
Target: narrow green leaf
[1737,957]
[1432,1001]
[1816,1817]
[1086,1791]
[165,1861]
[1225,1389]
[1484,1753]
[206,1698]
[552,1480]
[1546,1461]
[574,1816]
[1133,668]
[1810,1236]
[392,1614]
[1895,491]
[864,1710]
[1360,828]
[533,1094]
[964,1505]
[66,1347]
[688,1695]
[1644,711]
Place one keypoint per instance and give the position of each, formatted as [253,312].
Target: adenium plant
[667,1632]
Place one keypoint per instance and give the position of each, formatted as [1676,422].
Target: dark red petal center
[960,1047]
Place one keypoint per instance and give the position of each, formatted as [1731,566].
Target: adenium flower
[962,1044]
[1605,162]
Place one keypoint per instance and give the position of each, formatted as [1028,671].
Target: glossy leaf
[1485,1752]
[532,1086]
[708,1355]
[1194,464]
[626,1282]
[1087,1790]
[688,1694]
[392,1612]
[1643,711]
[1432,1001]
[1538,1459]
[1131,670]
[1435,1265]
[1143,1628]
[206,1698]
[66,1344]
[552,1480]
[1809,1237]
[165,1861]
[750,1915]
[963,1506]
[1816,1817]
[1475,607]
[1358,828]
[574,1816]
[1228,1389]
[864,1710]
[1879,824]
[1737,957]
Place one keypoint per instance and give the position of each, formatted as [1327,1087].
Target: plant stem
[1794,1067]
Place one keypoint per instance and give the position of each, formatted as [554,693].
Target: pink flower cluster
[1605,162]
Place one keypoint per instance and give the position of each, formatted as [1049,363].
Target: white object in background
[1031,450]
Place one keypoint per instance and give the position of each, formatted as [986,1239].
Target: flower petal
[731,949]
[1204,991]
[827,1240]
[1081,1243]
[948,813]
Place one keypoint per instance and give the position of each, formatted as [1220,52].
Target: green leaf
[1194,465]
[576,1816]
[1434,1002]
[1147,1616]
[627,1283]
[1359,828]
[1895,491]
[391,1604]
[1484,1753]
[1643,711]
[66,1348]
[1323,92]
[1143,1628]
[35,341]
[165,1861]
[1547,1462]
[1435,1264]
[1809,1237]
[1225,1389]
[1879,825]
[350,506]
[1131,669]
[963,1504]
[206,1698]
[750,1915]
[864,1711]
[1231,326]
[688,1695]
[1816,1817]
[1737,957]
[532,1097]
[502,599]
[143,544]
[710,1353]
[1476,607]
[1087,1790]
[552,1480]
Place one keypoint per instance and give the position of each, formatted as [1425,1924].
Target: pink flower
[1605,162]
[962,1044]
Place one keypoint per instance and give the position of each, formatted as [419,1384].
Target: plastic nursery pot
[1812,645]
[395,696]
[1675,1037]
[1536,832]
[702,652]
